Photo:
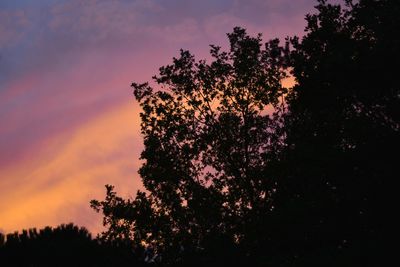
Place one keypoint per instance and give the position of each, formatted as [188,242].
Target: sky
[68,121]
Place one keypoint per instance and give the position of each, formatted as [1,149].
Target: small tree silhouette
[65,245]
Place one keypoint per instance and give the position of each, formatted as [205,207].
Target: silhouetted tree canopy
[343,129]
[209,131]
[240,171]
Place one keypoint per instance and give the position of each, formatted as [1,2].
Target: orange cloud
[56,187]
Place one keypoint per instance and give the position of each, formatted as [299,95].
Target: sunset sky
[68,120]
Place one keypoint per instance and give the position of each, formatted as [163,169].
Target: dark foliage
[342,138]
[65,245]
[240,171]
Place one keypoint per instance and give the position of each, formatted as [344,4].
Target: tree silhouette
[65,245]
[209,133]
[239,171]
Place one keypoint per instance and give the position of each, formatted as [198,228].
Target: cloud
[186,31]
[57,188]
[12,25]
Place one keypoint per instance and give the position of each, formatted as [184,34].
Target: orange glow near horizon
[56,186]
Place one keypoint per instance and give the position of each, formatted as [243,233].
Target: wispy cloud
[57,186]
